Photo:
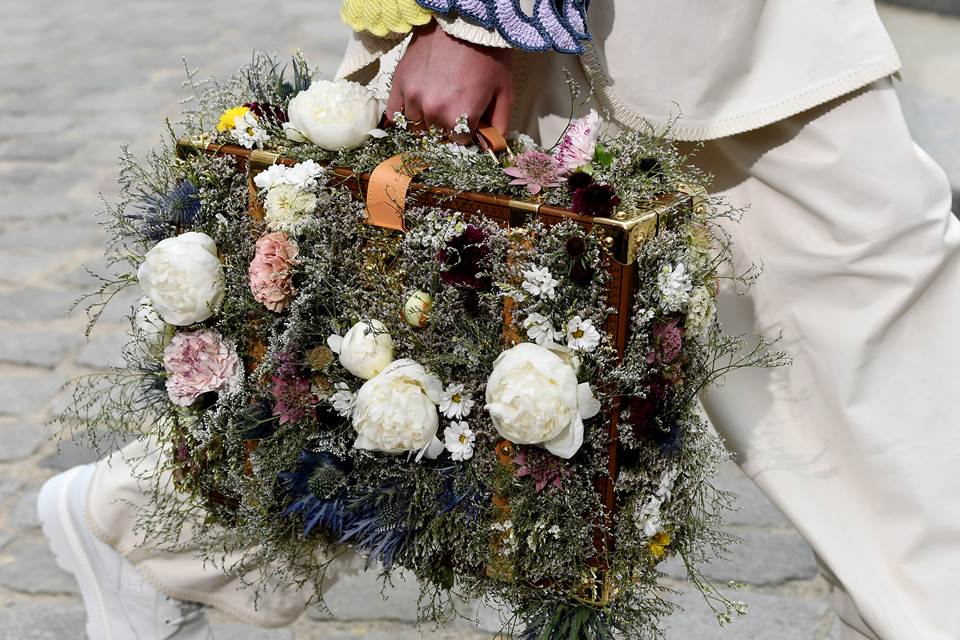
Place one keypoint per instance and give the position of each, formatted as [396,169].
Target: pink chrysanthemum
[536,170]
[197,363]
[579,142]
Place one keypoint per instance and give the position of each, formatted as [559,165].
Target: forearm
[494,23]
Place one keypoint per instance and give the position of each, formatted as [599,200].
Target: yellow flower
[659,544]
[230,116]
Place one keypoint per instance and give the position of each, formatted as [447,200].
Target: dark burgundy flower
[576,246]
[266,111]
[579,180]
[464,257]
[642,418]
[595,200]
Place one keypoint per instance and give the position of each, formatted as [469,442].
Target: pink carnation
[198,362]
[579,142]
[271,271]
[536,170]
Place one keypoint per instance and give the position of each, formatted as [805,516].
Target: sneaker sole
[68,550]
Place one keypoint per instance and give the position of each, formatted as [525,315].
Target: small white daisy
[540,330]
[454,403]
[458,439]
[343,400]
[581,334]
[538,281]
[247,131]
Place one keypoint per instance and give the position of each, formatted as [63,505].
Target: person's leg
[857,441]
[115,499]
[119,603]
[105,504]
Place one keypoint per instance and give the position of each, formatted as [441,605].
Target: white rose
[366,350]
[183,278]
[533,398]
[396,411]
[333,115]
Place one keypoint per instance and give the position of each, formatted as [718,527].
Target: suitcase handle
[387,188]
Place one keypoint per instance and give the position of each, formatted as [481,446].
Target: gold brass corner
[622,235]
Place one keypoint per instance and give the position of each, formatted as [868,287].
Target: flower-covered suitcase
[620,235]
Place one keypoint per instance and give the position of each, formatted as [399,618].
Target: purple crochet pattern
[555,24]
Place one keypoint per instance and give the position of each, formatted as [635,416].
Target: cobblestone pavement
[77,81]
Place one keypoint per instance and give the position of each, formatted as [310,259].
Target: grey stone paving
[78,80]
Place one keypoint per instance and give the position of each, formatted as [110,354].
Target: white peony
[416,310]
[365,351]
[183,278]
[286,208]
[396,411]
[533,398]
[333,115]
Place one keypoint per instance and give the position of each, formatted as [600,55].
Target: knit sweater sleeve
[558,25]
[532,25]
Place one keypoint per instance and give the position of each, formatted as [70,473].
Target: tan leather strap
[387,188]
[387,193]
[490,139]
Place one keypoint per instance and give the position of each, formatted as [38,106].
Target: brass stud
[608,242]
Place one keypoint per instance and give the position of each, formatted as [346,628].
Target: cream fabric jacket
[709,69]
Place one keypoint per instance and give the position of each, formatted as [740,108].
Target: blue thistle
[377,523]
[318,488]
[162,214]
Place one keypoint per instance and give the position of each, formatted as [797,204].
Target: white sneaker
[120,604]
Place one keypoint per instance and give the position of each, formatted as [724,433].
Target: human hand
[440,78]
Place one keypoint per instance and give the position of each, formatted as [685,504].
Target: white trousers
[857,442]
